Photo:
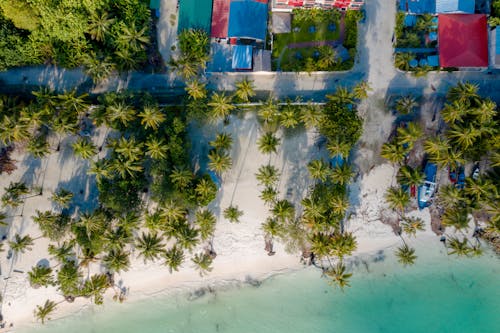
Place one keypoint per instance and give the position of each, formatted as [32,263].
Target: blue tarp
[430,171]
[413,63]
[452,6]
[248,19]
[410,20]
[433,60]
[242,57]
[433,36]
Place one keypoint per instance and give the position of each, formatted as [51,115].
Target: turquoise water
[439,294]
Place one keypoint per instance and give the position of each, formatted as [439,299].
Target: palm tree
[13,194]
[174,258]
[12,131]
[283,210]
[406,255]
[268,143]
[410,177]
[436,147]
[150,246]
[233,214]
[62,198]
[456,217]
[338,147]
[312,209]
[486,111]
[171,211]
[133,38]
[101,169]
[318,170]
[73,103]
[480,189]
[40,276]
[63,252]
[289,118]
[268,195]
[464,136]
[454,112]
[21,244]
[117,260]
[181,178]
[406,104]
[196,89]
[129,148]
[342,244]
[311,116]
[206,191]
[397,198]
[328,57]
[68,278]
[342,174]
[151,117]
[338,275]
[464,93]
[96,287]
[320,245]
[206,221]
[360,90]
[156,148]
[202,262]
[128,60]
[99,25]
[84,148]
[42,312]
[393,152]
[38,146]
[219,161]
[402,60]
[268,112]
[339,204]
[220,105]
[187,237]
[126,167]
[412,224]
[267,175]
[222,141]
[410,134]
[272,228]
[244,90]
[458,247]
[341,96]
[98,69]
[121,112]
[450,197]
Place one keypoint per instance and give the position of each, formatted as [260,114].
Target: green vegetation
[316,25]
[494,19]
[469,135]
[101,35]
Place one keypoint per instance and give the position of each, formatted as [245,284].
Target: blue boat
[461,179]
[428,188]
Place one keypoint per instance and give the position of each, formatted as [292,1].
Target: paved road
[374,64]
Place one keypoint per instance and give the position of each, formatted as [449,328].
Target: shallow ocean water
[438,294]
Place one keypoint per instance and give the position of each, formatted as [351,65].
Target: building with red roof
[220,18]
[463,40]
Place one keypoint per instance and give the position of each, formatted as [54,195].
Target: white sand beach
[240,247]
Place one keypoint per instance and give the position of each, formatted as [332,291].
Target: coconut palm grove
[104,186]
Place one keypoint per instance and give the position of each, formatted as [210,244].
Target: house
[248,20]
[463,40]
[195,14]
[327,4]
[437,6]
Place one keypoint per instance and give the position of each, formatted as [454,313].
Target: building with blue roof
[248,19]
[437,6]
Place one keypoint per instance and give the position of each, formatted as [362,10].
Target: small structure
[262,60]
[495,47]
[281,23]
[341,4]
[248,19]
[195,14]
[242,57]
[463,40]
[437,6]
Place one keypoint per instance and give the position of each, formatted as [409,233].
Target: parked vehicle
[428,188]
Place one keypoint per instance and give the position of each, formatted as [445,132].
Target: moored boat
[428,188]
